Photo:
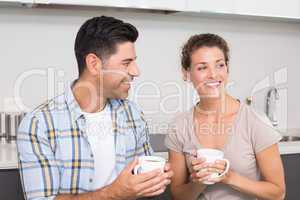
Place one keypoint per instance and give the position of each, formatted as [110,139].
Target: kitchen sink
[290,138]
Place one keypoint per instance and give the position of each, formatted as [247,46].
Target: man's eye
[126,64]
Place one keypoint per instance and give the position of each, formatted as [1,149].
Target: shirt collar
[114,104]
[71,102]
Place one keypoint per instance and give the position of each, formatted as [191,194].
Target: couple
[83,144]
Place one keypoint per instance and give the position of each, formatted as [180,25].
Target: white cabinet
[120,3]
[263,8]
[223,6]
[284,9]
[272,8]
[16,1]
[143,4]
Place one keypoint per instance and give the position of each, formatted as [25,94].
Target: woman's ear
[186,75]
[93,64]
[227,66]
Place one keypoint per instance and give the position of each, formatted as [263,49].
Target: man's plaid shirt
[54,154]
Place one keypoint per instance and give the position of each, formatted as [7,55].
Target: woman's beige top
[248,136]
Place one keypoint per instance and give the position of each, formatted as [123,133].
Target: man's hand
[129,186]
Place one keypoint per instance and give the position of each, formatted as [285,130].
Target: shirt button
[92,156]
[91,180]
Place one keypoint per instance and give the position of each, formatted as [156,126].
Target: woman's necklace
[213,123]
[219,115]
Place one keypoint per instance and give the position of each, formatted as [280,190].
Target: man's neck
[87,96]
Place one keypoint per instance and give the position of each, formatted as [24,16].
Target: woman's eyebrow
[221,59]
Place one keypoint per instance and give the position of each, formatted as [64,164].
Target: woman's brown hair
[202,40]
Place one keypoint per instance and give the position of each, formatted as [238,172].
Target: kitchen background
[37,61]
[37,57]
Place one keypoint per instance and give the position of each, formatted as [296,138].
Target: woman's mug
[149,163]
[211,155]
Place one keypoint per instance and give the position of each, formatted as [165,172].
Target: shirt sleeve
[173,141]
[142,130]
[37,166]
[263,135]
[144,140]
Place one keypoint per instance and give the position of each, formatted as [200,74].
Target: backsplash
[260,50]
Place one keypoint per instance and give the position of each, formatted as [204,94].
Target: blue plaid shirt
[55,156]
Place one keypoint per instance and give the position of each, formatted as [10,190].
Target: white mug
[211,155]
[149,163]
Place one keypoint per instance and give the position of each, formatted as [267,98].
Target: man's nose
[133,70]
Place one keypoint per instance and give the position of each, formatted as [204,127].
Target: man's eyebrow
[129,59]
[200,63]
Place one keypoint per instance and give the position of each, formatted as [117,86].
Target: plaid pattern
[54,154]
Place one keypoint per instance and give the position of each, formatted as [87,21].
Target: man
[83,144]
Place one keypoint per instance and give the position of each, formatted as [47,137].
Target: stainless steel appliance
[9,123]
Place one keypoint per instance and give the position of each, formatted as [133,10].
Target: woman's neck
[216,106]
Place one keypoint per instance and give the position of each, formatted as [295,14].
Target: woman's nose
[211,72]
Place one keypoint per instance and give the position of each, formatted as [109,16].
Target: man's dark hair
[100,35]
[195,42]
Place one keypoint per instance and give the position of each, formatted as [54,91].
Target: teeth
[213,84]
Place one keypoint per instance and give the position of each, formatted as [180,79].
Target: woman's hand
[200,170]
[219,167]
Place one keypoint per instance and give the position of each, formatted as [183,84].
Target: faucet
[272,96]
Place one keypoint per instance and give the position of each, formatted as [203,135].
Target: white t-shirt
[101,138]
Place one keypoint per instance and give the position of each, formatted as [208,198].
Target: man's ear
[186,74]
[93,64]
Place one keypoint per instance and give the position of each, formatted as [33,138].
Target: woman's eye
[221,65]
[201,68]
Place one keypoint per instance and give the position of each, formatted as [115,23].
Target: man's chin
[121,96]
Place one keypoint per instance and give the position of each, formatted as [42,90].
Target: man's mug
[149,163]
[211,155]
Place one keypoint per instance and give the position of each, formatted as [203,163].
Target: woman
[221,122]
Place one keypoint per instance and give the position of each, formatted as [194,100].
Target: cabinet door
[291,163]
[17,1]
[268,8]
[158,4]
[273,8]
[145,4]
[10,185]
[223,6]
[116,3]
